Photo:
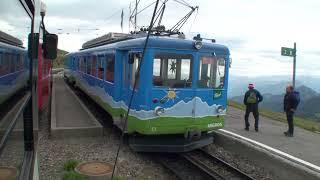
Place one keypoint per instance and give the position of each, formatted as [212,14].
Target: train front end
[186,96]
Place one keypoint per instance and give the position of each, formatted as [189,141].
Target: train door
[125,78]
[124,87]
[130,62]
[172,92]
[211,89]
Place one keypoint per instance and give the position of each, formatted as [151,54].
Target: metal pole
[294,65]
[135,17]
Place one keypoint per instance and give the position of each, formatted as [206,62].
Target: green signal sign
[287,52]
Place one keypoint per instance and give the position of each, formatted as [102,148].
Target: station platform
[304,145]
[69,116]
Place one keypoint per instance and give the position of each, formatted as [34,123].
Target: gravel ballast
[53,153]
[243,164]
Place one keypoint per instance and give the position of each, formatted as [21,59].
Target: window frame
[109,57]
[216,58]
[164,66]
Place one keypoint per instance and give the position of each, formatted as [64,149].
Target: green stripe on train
[161,125]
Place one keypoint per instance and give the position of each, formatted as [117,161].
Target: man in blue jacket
[251,99]
[290,104]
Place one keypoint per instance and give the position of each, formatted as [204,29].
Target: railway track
[194,165]
[199,164]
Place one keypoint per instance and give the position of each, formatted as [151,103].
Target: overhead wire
[194,20]
[183,3]
[137,76]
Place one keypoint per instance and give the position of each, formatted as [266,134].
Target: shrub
[70,165]
[71,175]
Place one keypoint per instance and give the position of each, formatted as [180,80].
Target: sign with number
[287,52]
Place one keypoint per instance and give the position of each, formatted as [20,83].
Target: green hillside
[58,62]
[278,116]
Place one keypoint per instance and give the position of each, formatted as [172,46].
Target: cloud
[254,31]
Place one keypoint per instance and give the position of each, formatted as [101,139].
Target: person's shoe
[288,134]
[247,128]
[256,129]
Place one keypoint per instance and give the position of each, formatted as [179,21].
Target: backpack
[252,98]
[296,96]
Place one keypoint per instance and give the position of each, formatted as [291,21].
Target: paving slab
[304,145]
[70,117]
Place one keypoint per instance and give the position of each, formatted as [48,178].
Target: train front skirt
[168,143]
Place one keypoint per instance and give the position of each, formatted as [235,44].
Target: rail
[200,164]
[215,166]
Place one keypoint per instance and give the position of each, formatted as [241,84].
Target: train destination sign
[287,51]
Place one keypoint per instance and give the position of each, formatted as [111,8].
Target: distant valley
[274,85]
[309,106]
[273,89]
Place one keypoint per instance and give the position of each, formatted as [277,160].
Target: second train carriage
[181,92]
[14,63]
[14,70]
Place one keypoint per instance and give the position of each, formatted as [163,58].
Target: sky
[254,30]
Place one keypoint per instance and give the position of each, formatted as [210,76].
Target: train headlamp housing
[159,110]
[220,109]
[197,41]
[197,44]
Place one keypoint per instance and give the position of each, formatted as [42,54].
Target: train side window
[81,64]
[134,71]
[80,59]
[20,61]
[172,66]
[100,67]
[94,66]
[7,63]
[172,70]
[110,68]
[12,63]
[88,65]
[1,65]
[157,67]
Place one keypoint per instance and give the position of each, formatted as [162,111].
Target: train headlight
[198,44]
[158,111]
[220,109]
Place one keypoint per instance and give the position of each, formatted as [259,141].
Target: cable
[115,13]
[134,86]
[195,17]
[183,3]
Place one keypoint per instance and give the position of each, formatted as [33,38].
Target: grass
[278,116]
[70,174]
[70,165]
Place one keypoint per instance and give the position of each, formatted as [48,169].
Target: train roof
[8,39]
[159,42]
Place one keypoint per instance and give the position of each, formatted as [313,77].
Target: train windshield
[212,72]
[172,70]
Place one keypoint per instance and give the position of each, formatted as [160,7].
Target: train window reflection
[100,67]
[212,72]
[135,66]
[14,23]
[13,152]
[172,70]
[110,68]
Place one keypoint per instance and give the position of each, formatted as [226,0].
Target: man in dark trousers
[289,106]
[251,99]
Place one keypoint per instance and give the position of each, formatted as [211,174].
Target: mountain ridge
[309,106]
